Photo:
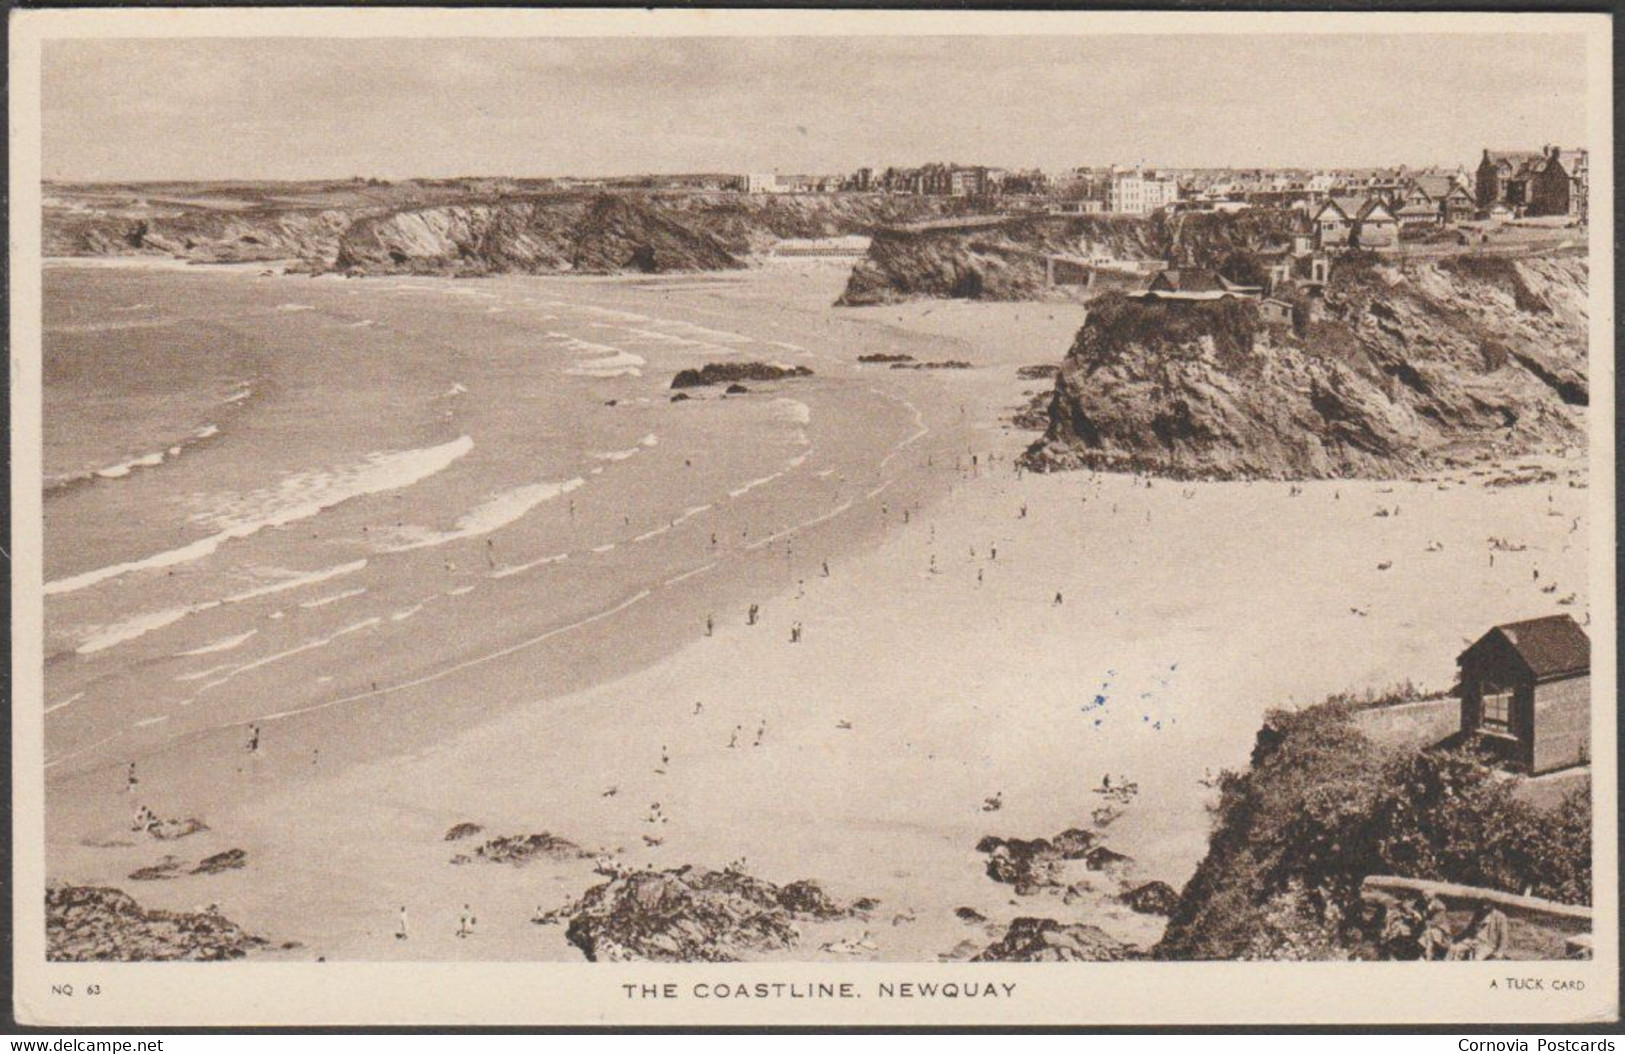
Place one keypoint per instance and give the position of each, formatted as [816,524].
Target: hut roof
[1554,646]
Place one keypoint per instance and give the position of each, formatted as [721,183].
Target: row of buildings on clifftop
[1548,182]
[1381,202]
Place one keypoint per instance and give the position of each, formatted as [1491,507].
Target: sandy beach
[980,634]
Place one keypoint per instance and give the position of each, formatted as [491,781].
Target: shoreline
[863,755]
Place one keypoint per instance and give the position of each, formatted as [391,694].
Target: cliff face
[1007,261]
[203,235]
[1406,364]
[473,234]
[601,235]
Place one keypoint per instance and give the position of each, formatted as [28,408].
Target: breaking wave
[295,498]
[491,515]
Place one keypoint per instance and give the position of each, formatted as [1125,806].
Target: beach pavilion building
[1526,694]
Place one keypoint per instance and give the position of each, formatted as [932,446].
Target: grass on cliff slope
[1322,807]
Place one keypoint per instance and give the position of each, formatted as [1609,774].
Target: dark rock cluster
[521,849]
[1045,940]
[692,915]
[100,924]
[732,372]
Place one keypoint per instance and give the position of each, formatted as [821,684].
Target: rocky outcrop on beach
[1007,261]
[1046,940]
[520,849]
[1153,898]
[459,227]
[101,924]
[692,915]
[1033,864]
[733,372]
[1403,365]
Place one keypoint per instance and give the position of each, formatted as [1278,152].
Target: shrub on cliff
[1166,329]
[1322,807]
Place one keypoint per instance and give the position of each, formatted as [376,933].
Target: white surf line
[691,512]
[59,759]
[378,474]
[69,701]
[405,613]
[657,532]
[160,719]
[296,582]
[845,506]
[142,624]
[319,642]
[210,672]
[519,569]
[459,591]
[922,429]
[223,644]
[135,626]
[321,602]
[753,484]
[686,575]
[606,547]
[439,675]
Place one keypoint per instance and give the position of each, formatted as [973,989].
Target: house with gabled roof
[1375,226]
[1442,195]
[1526,694]
[1334,220]
[1502,178]
[1355,222]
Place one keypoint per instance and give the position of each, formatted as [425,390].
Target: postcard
[724,517]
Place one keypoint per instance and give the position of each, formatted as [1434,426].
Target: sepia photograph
[766,516]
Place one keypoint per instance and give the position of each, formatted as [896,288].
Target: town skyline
[116,110]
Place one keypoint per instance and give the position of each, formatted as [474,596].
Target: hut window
[1497,707]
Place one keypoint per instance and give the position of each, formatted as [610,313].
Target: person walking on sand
[733,740]
[130,781]
[801,588]
[826,562]
[761,730]
[709,625]
[466,922]
[400,931]
[750,617]
[978,576]
[254,739]
[699,708]
[1057,600]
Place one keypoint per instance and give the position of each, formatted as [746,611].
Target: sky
[281,108]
